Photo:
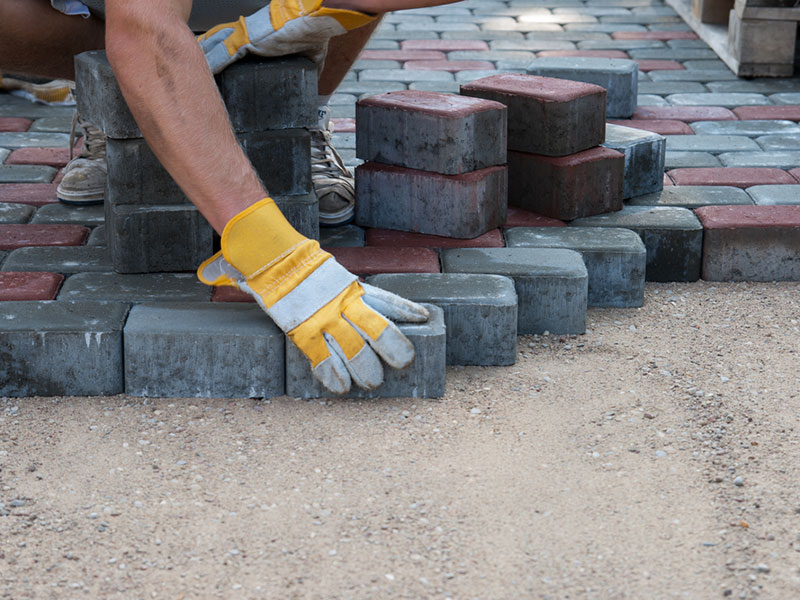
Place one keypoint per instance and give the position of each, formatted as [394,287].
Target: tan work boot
[84,180]
[333,183]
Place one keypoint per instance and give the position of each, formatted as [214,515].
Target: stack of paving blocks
[150,224]
[435,163]
[762,36]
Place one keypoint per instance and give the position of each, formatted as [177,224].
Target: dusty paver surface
[654,457]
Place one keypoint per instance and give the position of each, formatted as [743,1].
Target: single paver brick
[453,66]
[480,312]
[654,35]
[14,124]
[51,157]
[28,285]
[403,239]
[61,348]
[444,45]
[97,237]
[789,113]
[34,194]
[15,214]
[375,260]
[618,76]
[615,259]
[402,55]
[548,116]
[462,206]
[582,53]
[207,350]
[302,212]
[685,113]
[644,158]
[746,127]
[733,176]
[772,195]
[19,236]
[673,238]
[517,217]
[424,378]
[646,65]
[780,160]
[59,259]
[660,126]
[779,142]
[33,140]
[226,293]
[147,287]
[692,196]
[551,283]
[587,183]
[711,143]
[346,236]
[70,215]
[444,133]
[26,174]
[751,243]
[677,160]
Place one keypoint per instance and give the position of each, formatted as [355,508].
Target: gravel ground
[654,457]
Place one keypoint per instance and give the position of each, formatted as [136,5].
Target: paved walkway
[721,130]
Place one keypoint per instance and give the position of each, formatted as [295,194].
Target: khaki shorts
[205,13]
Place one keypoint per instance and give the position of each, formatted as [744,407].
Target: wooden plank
[745,9]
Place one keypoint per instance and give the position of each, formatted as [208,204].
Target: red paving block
[796,174]
[35,194]
[230,294]
[14,124]
[660,126]
[685,113]
[750,243]
[402,239]
[452,66]
[733,176]
[22,236]
[344,125]
[518,217]
[667,180]
[402,55]
[444,45]
[654,35]
[659,65]
[790,112]
[583,53]
[52,157]
[29,285]
[373,261]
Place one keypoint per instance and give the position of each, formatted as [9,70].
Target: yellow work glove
[340,324]
[281,28]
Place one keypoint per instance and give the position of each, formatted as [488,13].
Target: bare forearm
[166,82]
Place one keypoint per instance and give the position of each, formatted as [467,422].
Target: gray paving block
[644,158]
[346,236]
[58,213]
[663,88]
[650,100]
[302,212]
[730,100]
[771,195]
[4,154]
[758,86]
[772,143]
[480,312]
[28,139]
[677,54]
[282,158]
[704,64]
[157,238]
[61,348]
[59,259]
[11,213]
[685,75]
[673,238]
[780,160]
[424,378]
[786,98]
[146,287]
[624,45]
[370,87]
[26,174]
[693,196]
[675,160]
[52,125]
[460,206]
[444,133]
[203,350]
[467,76]
[711,143]
[404,75]
[260,94]
[615,259]
[447,87]
[618,76]
[13,106]
[275,93]
[551,283]
[3,255]
[97,237]
[750,128]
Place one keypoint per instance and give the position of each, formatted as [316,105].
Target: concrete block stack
[556,166]
[150,224]
[435,163]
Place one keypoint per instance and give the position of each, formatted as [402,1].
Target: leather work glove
[281,28]
[338,323]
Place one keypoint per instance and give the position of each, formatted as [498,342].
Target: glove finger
[393,306]
[332,373]
[209,41]
[363,366]
[388,341]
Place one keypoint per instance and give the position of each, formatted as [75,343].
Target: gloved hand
[332,318]
[281,28]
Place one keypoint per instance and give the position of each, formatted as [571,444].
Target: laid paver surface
[627,441]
